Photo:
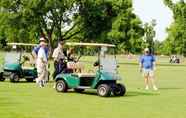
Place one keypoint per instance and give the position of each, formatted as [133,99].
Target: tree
[27,19]
[111,21]
[3,41]
[177,31]
[158,47]
[106,21]
[150,34]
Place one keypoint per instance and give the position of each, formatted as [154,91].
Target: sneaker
[44,82]
[37,81]
[155,88]
[41,84]
[147,88]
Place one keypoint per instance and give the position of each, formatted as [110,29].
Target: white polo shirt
[42,55]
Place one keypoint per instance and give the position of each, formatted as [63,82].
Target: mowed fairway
[26,100]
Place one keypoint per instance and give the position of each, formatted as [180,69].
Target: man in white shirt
[41,64]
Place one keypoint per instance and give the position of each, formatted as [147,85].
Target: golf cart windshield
[12,57]
[108,60]
[17,52]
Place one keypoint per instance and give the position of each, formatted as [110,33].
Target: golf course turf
[26,100]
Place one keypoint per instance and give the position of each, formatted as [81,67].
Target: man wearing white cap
[36,49]
[147,66]
[41,63]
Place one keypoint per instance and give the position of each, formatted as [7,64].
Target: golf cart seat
[28,68]
[87,75]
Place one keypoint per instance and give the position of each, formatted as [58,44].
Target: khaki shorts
[42,72]
[148,72]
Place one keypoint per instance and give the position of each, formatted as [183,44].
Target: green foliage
[111,21]
[3,41]
[25,20]
[106,21]
[176,41]
[26,100]
[149,35]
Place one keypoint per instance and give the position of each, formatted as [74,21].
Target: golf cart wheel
[119,90]
[104,90]
[14,77]
[1,77]
[29,79]
[78,90]
[61,86]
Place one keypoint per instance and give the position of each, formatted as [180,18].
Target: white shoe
[155,88]
[41,84]
[37,81]
[44,82]
[147,88]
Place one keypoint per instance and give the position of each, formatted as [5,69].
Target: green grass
[26,100]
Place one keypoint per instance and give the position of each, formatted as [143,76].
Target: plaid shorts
[148,72]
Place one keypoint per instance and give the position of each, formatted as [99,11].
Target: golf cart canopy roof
[89,44]
[22,44]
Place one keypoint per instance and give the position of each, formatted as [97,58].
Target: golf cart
[174,59]
[14,64]
[104,78]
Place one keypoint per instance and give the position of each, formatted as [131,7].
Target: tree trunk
[50,44]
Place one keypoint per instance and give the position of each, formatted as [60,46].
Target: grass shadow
[138,93]
[83,93]
[22,82]
[91,93]
[170,88]
[127,94]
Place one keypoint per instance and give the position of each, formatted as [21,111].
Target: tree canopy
[176,40]
[150,34]
[106,21]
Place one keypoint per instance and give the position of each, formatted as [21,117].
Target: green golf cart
[14,64]
[104,78]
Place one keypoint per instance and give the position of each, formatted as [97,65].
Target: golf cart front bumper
[6,74]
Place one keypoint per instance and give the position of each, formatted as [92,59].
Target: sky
[147,10]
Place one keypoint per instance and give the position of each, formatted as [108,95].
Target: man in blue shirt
[147,66]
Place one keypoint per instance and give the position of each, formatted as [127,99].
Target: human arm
[33,53]
[55,55]
[140,67]
[154,63]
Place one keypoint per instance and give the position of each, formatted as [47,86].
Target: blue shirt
[36,50]
[147,61]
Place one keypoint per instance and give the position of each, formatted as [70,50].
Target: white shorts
[148,72]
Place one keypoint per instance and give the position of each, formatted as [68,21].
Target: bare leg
[146,79]
[153,82]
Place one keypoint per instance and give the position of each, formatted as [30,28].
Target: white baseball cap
[42,39]
[146,49]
